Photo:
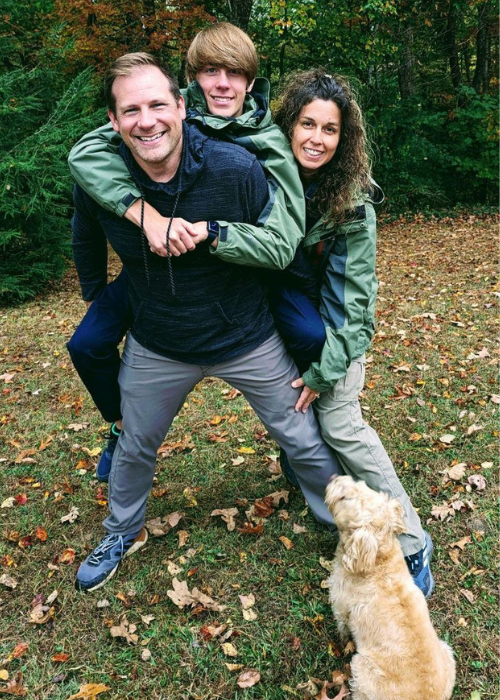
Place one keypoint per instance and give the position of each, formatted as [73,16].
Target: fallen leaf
[19,650]
[249,529]
[161,526]
[147,619]
[229,649]
[228,515]
[146,655]
[456,472]
[8,503]
[248,678]
[67,556]
[288,544]
[15,686]
[8,581]
[237,461]
[125,630]
[71,516]
[299,529]
[41,534]
[327,564]
[60,658]
[442,512]
[247,601]
[447,439]
[478,481]
[234,667]
[89,691]
[246,450]
[173,569]
[249,615]
[191,501]
[462,542]
[183,536]
[182,597]
[467,594]
[4,675]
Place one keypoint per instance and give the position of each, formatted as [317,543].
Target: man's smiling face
[225,89]
[149,120]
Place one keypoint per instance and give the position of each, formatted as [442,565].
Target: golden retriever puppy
[377,604]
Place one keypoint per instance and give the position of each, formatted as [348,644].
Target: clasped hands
[184,236]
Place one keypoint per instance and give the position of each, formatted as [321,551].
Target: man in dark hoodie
[194,314]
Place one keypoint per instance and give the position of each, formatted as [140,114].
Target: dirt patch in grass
[432,394]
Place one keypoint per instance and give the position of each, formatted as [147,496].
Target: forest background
[426,73]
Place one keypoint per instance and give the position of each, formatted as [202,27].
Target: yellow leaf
[4,675]
[229,649]
[286,542]
[246,450]
[89,691]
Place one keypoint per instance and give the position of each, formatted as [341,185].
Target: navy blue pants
[94,345]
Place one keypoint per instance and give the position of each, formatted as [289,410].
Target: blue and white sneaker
[104,465]
[102,563]
[419,565]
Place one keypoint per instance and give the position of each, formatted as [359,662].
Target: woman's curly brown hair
[340,181]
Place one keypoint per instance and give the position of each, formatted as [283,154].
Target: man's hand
[182,238]
[306,397]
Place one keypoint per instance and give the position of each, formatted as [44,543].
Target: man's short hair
[223,45]
[126,65]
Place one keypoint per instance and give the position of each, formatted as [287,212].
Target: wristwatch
[213,229]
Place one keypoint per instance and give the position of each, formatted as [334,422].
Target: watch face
[213,227]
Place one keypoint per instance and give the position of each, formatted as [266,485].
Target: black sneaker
[104,465]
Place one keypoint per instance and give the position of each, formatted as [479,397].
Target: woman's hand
[306,397]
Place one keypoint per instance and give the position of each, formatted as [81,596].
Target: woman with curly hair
[324,124]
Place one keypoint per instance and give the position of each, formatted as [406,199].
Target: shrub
[35,183]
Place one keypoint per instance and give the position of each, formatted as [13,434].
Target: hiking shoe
[102,563]
[419,565]
[287,470]
[104,465]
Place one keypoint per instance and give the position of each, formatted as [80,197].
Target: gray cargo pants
[154,388]
[359,449]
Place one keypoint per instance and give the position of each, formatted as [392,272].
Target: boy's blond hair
[222,44]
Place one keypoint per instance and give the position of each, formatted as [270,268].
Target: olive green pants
[359,449]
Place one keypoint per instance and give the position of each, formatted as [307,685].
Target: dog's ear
[396,515]
[360,551]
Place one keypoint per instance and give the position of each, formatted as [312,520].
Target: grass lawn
[431,393]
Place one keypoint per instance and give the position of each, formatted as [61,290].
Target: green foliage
[35,184]
[429,157]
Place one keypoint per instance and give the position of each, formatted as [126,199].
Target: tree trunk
[451,46]
[480,80]
[239,12]
[406,67]
[148,16]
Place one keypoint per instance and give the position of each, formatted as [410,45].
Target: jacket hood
[256,112]
[188,171]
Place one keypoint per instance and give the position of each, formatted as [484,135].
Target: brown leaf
[89,691]
[8,581]
[183,536]
[462,542]
[15,686]
[71,516]
[249,529]
[161,526]
[228,515]
[125,630]
[263,507]
[41,534]
[67,556]
[41,614]
[209,632]
[467,594]
[247,601]
[288,544]
[248,678]
[19,650]
[60,658]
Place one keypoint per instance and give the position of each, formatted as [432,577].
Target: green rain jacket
[101,172]
[345,262]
